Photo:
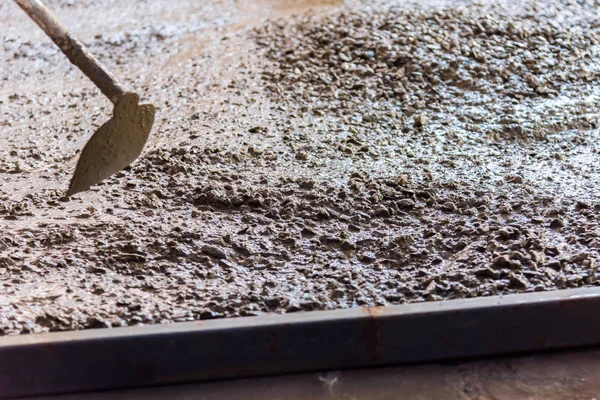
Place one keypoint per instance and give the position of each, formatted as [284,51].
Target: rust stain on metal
[372,332]
[374,311]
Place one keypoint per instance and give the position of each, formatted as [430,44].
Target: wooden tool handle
[73,49]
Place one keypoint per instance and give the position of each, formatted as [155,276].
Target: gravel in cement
[306,156]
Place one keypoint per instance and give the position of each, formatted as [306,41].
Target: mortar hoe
[118,142]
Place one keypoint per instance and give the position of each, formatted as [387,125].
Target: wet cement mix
[306,155]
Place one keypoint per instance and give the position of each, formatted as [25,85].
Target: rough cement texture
[305,155]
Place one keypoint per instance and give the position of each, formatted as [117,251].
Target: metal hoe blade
[119,141]
[115,145]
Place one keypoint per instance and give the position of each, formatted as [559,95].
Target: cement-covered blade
[115,145]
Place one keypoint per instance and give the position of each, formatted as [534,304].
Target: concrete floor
[573,375]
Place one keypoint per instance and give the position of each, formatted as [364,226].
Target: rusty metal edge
[70,362]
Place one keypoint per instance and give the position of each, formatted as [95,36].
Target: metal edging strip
[68,362]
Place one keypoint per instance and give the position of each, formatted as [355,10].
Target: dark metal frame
[67,362]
